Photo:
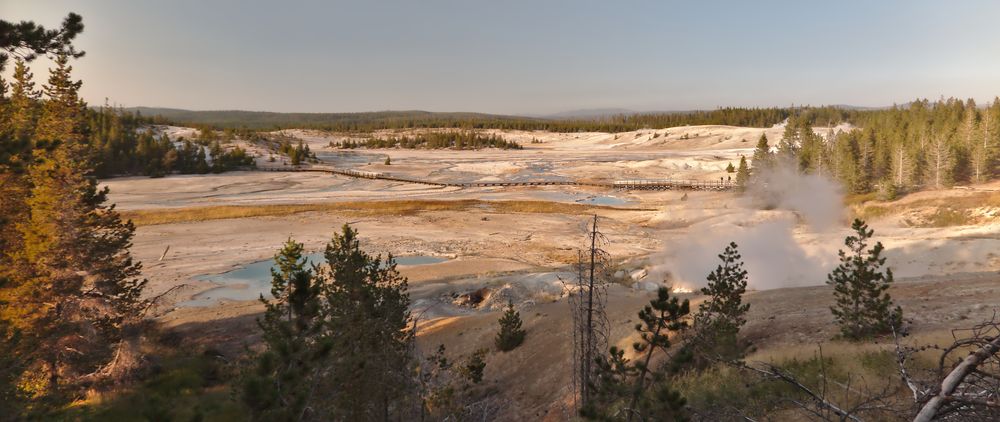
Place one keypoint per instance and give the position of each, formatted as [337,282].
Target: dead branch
[774,372]
[951,382]
[155,299]
[901,362]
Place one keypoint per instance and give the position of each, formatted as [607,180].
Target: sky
[525,57]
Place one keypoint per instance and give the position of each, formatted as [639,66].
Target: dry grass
[355,208]
[853,370]
[948,211]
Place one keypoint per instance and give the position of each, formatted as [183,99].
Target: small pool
[349,158]
[583,198]
[603,200]
[252,280]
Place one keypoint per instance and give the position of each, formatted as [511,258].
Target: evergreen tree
[281,384]
[940,157]
[640,390]
[742,174]
[368,325]
[720,317]
[63,116]
[11,367]
[78,289]
[863,306]
[730,168]
[28,40]
[510,335]
[763,158]
[811,157]
[980,146]
[991,140]
[18,118]
[23,109]
[474,367]
[788,146]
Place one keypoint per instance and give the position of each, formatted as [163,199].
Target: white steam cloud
[779,230]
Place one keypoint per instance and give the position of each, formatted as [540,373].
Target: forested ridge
[436,140]
[371,121]
[921,145]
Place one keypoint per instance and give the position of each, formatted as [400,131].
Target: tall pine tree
[80,288]
[369,323]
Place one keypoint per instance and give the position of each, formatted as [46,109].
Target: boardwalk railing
[670,184]
[638,184]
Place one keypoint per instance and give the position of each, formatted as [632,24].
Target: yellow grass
[940,212]
[358,208]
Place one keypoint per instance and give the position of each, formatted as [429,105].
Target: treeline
[123,143]
[119,142]
[368,122]
[436,140]
[281,144]
[921,145]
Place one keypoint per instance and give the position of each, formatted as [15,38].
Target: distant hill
[590,113]
[340,121]
[590,120]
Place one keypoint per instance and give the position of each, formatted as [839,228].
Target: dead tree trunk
[955,378]
[587,301]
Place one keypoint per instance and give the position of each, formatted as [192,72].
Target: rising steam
[779,226]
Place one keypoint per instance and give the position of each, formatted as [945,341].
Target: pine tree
[23,108]
[742,174]
[730,168]
[763,158]
[27,40]
[474,366]
[63,116]
[640,390]
[369,327]
[510,335]
[11,367]
[281,384]
[981,154]
[940,157]
[17,119]
[446,387]
[811,154]
[724,309]
[720,317]
[863,306]
[79,289]
[788,146]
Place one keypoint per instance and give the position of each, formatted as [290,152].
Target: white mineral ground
[948,276]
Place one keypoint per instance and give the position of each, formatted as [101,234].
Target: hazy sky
[526,57]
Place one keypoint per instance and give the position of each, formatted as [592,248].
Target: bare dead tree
[587,299]
[963,388]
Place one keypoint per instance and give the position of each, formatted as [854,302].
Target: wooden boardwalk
[670,184]
[637,184]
